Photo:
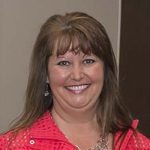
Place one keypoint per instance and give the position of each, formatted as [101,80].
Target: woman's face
[76,80]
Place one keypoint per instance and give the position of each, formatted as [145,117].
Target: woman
[72,98]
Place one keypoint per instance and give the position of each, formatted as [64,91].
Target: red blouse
[45,135]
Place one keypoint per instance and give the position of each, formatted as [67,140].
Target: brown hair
[80,31]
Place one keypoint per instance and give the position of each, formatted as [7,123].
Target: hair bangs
[72,40]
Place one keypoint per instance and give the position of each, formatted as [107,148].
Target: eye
[63,63]
[88,61]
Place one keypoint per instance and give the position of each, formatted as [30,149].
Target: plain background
[20,21]
[134,70]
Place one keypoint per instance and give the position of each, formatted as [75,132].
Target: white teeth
[77,88]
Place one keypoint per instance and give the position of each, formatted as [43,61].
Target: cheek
[56,76]
[97,74]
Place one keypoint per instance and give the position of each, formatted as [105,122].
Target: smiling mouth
[77,89]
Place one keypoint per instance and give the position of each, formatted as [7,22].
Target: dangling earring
[47,89]
[48,101]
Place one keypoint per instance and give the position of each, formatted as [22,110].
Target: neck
[80,129]
[76,122]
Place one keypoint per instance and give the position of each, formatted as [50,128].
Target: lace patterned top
[45,135]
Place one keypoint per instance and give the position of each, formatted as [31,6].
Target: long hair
[82,31]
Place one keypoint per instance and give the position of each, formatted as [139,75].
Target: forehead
[72,53]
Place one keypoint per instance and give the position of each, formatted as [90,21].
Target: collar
[45,128]
[121,142]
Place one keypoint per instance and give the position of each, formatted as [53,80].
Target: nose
[77,73]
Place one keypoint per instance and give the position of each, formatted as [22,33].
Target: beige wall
[20,21]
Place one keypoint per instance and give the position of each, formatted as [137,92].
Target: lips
[78,88]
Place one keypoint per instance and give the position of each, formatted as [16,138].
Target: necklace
[102,144]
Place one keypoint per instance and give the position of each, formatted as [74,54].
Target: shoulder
[14,141]
[4,140]
[138,140]
[23,139]
[131,139]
